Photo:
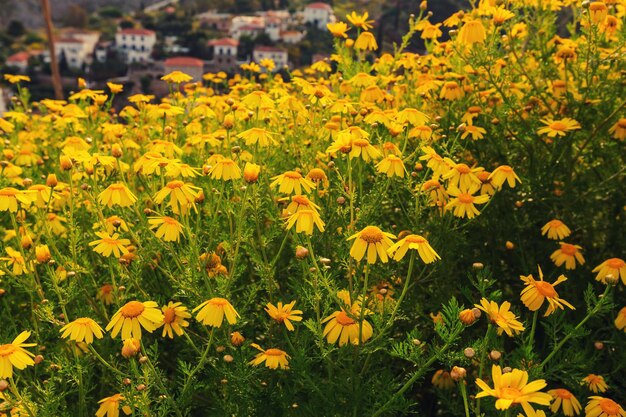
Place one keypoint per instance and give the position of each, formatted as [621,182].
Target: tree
[76,16]
[110,12]
[15,29]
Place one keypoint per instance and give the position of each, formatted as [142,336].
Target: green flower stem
[199,366]
[463,390]
[483,358]
[159,383]
[589,315]
[104,362]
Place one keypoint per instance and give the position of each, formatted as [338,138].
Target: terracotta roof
[224,42]
[67,40]
[183,61]
[136,31]
[318,5]
[19,57]
[262,48]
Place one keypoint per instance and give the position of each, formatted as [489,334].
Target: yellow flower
[504,173]
[273,358]
[619,129]
[82,330]
[612,266]
[338,29]
[130,347]
[373,241]
[565,400]
[284,313]
[598,11]
[16,261]
[251,172]
[451,91]
[15,79]
[472,32]
[292,181]
[345,328]
[42,254]
[212,312]
[603,407]
[463,203]
[463,178]
[513,388]
[595,383]
[168,228]
[555,128]
[225,169]
[9,197]
[366,41]
[110,244]
[257,135]
[567,254]
[620,320]
[110,406]
[14,355]
[132,317]
[501,316]
[299,202]
[115,88]
[535,292]
[556,230]
[182,196]
[174,315]
[391,165]
[361,21]
[177,77]
[425,251]
[117,195]
[304,220]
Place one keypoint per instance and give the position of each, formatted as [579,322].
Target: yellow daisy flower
[565,400]
[620,320]
[182,196]
[373,241]
[177,77]
[13,355]
[110,406]
[612,266]
[535,292]
[417,242]
[567,254]
[603,407]
[345,328]
[110,244]
[117,195]
[292,181]
[556,230]
[212,312]
[273,358]
[132,317]
[595,383]
[284,313]
[82,330]
[561,127]
[502,316]
[168,228]
[174,315]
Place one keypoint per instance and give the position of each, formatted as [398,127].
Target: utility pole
[54,65]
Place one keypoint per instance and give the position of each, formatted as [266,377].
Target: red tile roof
[318,5]
[136,31]
[19,57]
[67,40]
[183,61]
[224,42]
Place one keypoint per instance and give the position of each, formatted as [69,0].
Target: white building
[292,36]
[224,53]
[18,61]
[251,26]
[73,51]
[135,45]
[278,55]
[318,14]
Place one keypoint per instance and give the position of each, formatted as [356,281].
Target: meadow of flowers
[385,233]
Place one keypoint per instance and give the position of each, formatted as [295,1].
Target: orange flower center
[169,315]
[615,263]
[220,302]
[170,221]
[360,142]
[132,309]
[300,199]
[9,192]
[451,85]
[7,350]
[343,319]
[175,184]
[555,224]
[545,288]
[316,174]
[609,406]
[274,352]
[506,168]
[509,393]
[563,393]
[463,169]
[560,126]
[597,6]
[116,187]
[622,123]
[371,234]
[415,239]
[466,198]
[292,175]
[109,241]
[568,249]
[83,321]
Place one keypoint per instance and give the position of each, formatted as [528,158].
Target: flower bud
[130,348]
[52,181]
[66,162]
[228,358]
[301,252]
[469,352]
[611,279]
[467,317]
[251,172]
[42,253]
[495,355]
[457,373]
[237,339]
[4,384]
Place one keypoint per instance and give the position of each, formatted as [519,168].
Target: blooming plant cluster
[385,233]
